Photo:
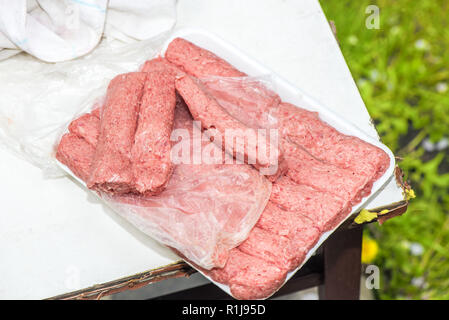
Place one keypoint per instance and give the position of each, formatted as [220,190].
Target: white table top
[56,237]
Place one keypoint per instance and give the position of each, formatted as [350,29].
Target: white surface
[54,30]
[55,239]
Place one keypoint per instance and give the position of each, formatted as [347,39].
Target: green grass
[402,72]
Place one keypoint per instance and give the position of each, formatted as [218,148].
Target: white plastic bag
[38,98]
[251,100]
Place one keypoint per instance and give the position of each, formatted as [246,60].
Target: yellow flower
[409,194]
[365,216]
[370,248]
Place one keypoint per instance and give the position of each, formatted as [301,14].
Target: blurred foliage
[402,72]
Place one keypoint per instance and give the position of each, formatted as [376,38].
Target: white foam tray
[288,93]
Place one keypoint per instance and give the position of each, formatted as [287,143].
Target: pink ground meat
[281,238]
[303,168]
[289,224]
[86,127]
[324,142]
[247,145]
[151,162]
[161,64]
[325,209]
[76,154]
[198,61]
[249,277]
[112,168]
[246,99]
[96,112]
[257,280]
[270,247]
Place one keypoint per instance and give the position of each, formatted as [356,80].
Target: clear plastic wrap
[251,100]
[209,205]
[38,98]
[241,114]
[205,211]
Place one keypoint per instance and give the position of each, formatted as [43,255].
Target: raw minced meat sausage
[325,209]
[297,125]
[162,64]
[246,99]
[281,240]
[151,161]
[76,154]
[86,127]
[198,61]
[303,168]
[256,280]
[290,224]
[111,169]
[307,130]
[250,147]
[249,277]
[273,248]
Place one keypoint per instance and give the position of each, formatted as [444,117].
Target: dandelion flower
[441,87]
[442,144]
[422,45]
[419,282]
[370,248]
[416,249]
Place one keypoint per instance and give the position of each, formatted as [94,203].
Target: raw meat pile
[205,209]
[260,230]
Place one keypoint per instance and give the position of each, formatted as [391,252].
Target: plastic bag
[207,208]
[38,98]
[251,100]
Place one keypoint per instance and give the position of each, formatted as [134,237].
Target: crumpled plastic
[39,98]
[251,100]
[210,204]
[205,211]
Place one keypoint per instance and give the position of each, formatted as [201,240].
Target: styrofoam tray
[288,93]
